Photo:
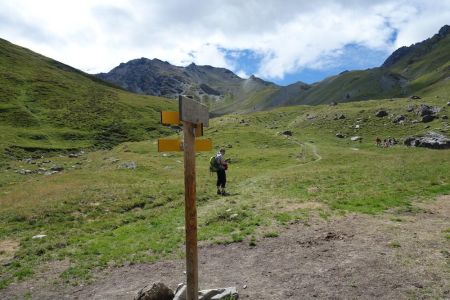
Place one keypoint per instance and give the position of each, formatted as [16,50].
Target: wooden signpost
[193,116]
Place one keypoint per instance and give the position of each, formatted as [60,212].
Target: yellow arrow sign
[203,145]
[170,118]
[169,145]
[175,145]
[173,118]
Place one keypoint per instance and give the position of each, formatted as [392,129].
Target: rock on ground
[155,291]
[425,110]
[229,293]
[381,113]
[431,140]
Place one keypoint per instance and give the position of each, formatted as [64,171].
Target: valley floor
[397,255]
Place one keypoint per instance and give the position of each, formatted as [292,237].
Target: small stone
[39,236]
[287,133]
[356,138]
[399,119]
[57,168]
[414,97]
[340,135]
[24,172]
[132,165]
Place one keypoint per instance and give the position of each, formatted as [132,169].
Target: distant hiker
[378,141]
[221,165]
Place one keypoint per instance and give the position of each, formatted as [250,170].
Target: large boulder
[428,118]
[155,291]
[381,113]
[426,110]
[431,140]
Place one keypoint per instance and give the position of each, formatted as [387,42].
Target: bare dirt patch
[398,255]
[7,249]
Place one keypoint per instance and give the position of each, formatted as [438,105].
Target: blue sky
[279,41]
[350,57]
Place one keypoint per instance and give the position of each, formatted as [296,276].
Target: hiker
[378,141]
[221,166]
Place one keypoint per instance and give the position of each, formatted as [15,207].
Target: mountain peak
[416,49]
[445,30]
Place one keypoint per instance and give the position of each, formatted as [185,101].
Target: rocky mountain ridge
[407,70]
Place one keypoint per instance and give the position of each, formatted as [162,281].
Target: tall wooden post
[193,116]
[190,211]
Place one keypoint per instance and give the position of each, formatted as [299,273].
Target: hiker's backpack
[213,165]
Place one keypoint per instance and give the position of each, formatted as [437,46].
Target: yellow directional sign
[176,145]
[173,118]
[169,145]
[203,145]
[170,118]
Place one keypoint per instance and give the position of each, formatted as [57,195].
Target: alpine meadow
[337,189]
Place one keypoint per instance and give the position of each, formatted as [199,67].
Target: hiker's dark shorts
[221,178]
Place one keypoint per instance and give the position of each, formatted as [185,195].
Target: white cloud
[242,74]
[96,35]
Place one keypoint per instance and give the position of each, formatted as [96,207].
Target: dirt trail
[397,256]
[314,150]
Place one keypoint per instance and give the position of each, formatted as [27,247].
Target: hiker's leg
[224,182]
[221,182]
[219,191]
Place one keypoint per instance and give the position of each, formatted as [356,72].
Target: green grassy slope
[48,106]
[98,214]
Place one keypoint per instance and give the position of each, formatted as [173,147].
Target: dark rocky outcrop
[431,140]
[426,110]
[417,49]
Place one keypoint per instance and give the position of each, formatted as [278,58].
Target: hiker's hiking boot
[225,194]
[219,192]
